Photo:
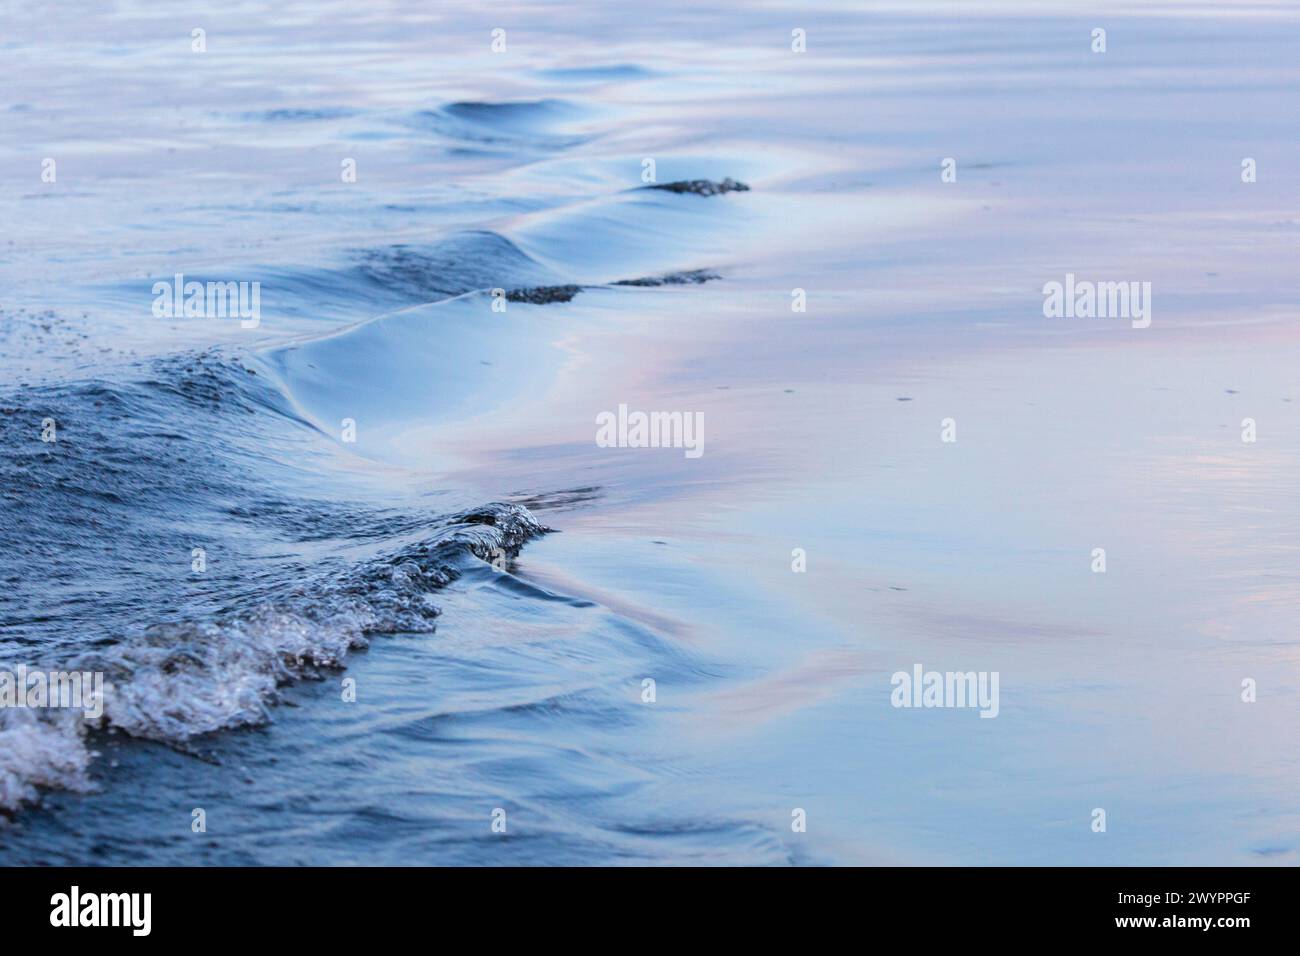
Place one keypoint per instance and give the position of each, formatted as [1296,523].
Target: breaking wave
[195,456]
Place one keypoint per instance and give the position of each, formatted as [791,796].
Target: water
[497,587]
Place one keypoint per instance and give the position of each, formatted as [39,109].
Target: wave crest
[179,680]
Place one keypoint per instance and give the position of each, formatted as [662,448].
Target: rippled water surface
[497,589]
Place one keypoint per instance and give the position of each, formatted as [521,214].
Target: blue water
[430,602]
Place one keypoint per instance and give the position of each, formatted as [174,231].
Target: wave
[36,753]
[179,680]
[183,679]
[463,262]
[227,460]
[191,455]
[628,235]
[401,376]
[637,237]
[370,281]
[549,123]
